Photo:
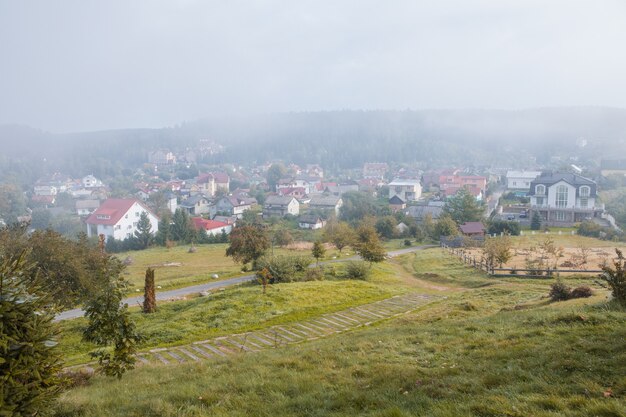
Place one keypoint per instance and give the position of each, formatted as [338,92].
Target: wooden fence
[492,270]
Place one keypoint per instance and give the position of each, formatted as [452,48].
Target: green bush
[581,292]
[559,291]
[284,268]
[357,270]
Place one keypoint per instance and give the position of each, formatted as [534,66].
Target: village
[216,200]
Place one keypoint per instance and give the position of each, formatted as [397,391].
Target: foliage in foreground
[110,322]
[448,360]
[615,277]
[29,363]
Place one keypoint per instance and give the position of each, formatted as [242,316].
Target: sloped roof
[575,180]
[324,200]
[200,223]
[469,228]
[419,212]
[310,219]
[112,210]
[395,200]
[277,200]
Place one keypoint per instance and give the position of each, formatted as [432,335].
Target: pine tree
[182,228]
[149,297]
[29,362]
[535,221]
[144,230]
[164,234]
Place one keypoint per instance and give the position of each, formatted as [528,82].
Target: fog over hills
[346,139]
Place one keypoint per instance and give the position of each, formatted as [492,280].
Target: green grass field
[241,309]
[176,267]
[492,347]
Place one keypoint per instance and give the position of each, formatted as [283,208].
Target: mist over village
[312,208]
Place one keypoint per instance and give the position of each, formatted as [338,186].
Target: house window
[584,196]
[118,226]
[136,214]
[539,201]
[126,216]
[560,216]
[540,189]
[561,196]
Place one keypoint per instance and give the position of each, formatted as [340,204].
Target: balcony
[575,209]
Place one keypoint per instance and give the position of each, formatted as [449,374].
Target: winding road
[194,289]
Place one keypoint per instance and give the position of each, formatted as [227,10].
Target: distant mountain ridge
[344,139]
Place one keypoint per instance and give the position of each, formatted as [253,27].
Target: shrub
[407,242]
[581,292]
[615,277]
[559,291]
[284,268]
[357,270]
[314,274]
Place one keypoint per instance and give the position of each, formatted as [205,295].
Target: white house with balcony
[405,189]
[562,199]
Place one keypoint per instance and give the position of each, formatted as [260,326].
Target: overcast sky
[85,65]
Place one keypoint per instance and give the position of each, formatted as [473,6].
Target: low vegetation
[493,347]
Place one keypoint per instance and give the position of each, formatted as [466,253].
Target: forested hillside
[338,139]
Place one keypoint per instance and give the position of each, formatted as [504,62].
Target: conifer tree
[144,230]
[149,297]
[29,362]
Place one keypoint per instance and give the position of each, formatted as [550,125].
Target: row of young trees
[248,243]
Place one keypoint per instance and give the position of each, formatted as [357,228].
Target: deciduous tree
[368,245]
[109,322]
[318,251]
[247,243]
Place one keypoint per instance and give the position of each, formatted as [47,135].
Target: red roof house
[118,218]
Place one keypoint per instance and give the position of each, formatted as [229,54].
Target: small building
[118,218]
[406,189]
[212,227]
[281,206]
[311,222]
[473,229]
[86,207]
[196,205]
[396,204]
[434,209]
[520,180]
[90,181]
[234,205]
[332,203]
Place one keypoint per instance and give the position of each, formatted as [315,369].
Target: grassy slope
[497,348]
[194,267]
[240,309]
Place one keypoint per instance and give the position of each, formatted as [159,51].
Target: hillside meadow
[489,347]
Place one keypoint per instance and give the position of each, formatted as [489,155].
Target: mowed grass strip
[240,309]
[472,355]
